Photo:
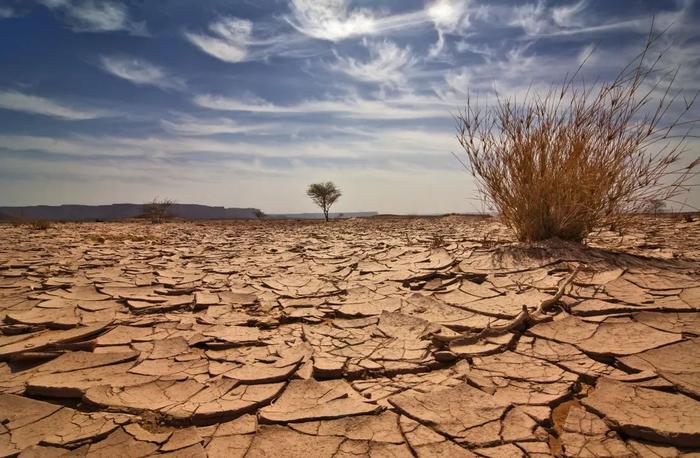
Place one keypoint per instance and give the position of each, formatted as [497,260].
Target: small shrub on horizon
[580,157]
[655,206]
[158,210]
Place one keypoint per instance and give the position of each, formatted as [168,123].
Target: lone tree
[324,195]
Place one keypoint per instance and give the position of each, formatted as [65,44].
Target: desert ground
[374,337]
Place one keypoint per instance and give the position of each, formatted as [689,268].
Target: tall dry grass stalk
[581,157]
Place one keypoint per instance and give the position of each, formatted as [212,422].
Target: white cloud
[330,19]
[56,3]
[16,101]
[574,18]
[530,17]
[232,39]
[374,143]
[402,107]
[140,72]
[228,41]
[195,126]
[96,16]
[388,64]
[569,15]
[459,80]
[448,16]
[6,12]
[335,20]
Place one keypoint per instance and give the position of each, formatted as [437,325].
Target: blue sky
[243,103]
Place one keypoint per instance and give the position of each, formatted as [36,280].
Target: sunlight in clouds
[330,19]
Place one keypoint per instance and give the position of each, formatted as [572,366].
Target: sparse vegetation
[437,241]
[581,157]
[158,210]
[259,214]
[656,206]
[39,224]
[34,224]
[324,195]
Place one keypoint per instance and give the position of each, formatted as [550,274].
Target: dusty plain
[367,337]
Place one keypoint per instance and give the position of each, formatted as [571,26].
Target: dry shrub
[39,224]
[580,157]
[437,241]
[158,210]
[34,224]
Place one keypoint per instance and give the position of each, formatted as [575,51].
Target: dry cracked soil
[369,337]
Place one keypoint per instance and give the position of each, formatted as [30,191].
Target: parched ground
[371,337]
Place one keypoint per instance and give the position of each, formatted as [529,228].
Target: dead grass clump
[437,241]
[34,224]
[581,157]
[39,225]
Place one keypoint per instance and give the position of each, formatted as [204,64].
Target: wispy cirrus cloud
[233,40]
[335,20]
[459,80]
[6,12]
[387,65]
[367,143]
[331,20]
[569,15]
[406,106]
[96,16]
[17,101]
[448,16]
[197,126]
[228,39]
[536,19]
[140,72]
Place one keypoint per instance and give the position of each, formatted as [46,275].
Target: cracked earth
[371,337]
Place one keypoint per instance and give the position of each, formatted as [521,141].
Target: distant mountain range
[125,211]
[121,211]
